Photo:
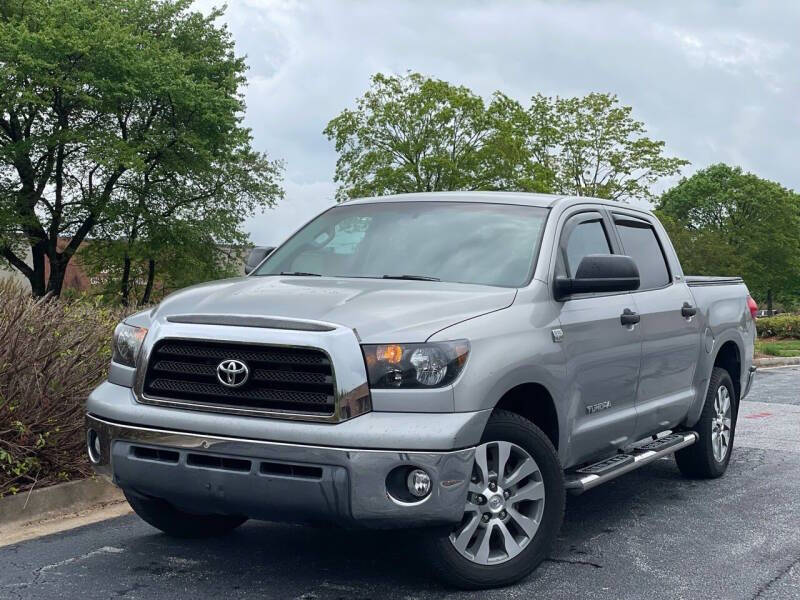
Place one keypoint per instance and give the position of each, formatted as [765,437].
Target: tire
[708,458]
[502,566]
[177,523]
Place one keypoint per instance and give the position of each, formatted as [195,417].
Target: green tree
[97,95]
[412,133]
[727,222]
[701,251]
[592,146]
[161,211]
[158,263]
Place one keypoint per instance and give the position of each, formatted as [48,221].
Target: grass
[777,347]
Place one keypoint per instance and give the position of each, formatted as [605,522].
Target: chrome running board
[591,476]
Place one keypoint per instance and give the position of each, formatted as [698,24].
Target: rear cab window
[641,243]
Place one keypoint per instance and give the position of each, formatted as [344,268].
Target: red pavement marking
[760,415]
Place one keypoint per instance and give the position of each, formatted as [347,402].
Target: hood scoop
[251,321]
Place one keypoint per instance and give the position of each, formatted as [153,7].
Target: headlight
[127,342]
[415,365]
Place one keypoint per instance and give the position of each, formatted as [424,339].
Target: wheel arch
[729,357]
[534,402]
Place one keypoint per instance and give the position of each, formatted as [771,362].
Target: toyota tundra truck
[453,362]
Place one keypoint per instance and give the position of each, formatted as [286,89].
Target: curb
[55,500]
[777,361]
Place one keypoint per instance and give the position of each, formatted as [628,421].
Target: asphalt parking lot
[649,534]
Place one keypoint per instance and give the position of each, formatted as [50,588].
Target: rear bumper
[277,481]
[751,373]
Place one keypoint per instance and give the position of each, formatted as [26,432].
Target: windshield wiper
[412,277]
[300,274]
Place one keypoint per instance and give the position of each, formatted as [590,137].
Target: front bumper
[277,481]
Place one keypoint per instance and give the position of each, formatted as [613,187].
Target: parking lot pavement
[778,384]
[649,534]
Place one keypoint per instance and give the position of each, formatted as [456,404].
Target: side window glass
[641,244]
[586,238]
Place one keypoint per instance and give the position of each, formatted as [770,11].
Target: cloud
[717,80]
[304,201]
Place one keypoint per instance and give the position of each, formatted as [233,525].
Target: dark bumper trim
[351,489]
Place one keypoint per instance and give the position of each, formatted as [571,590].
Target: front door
[602,353]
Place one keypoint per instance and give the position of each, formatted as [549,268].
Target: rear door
[602,354]
[669,325]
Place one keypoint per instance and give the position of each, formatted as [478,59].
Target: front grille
[296,380]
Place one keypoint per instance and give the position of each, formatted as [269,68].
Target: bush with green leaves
[780,326]
[52,353]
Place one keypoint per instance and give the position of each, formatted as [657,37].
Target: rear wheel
[709,456]
[513,510]
[177,523]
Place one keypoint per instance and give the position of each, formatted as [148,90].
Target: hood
[381,310]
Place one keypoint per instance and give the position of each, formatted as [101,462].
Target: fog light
[93,446]
[419,483]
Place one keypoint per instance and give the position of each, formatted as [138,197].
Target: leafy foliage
[144,270]
[416,134]
[111,112]
[52,354]
[779,326]
[592,146]
[727,222]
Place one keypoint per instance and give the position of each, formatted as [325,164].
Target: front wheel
[513,510]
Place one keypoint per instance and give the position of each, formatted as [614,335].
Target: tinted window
[466,242]
[587,238]
[641,244]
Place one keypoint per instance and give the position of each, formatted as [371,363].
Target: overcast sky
[719,81]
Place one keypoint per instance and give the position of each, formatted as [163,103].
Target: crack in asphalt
[765,587]
[574,562]
[37,573]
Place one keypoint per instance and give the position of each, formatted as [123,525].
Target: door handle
[688,310]
[628,317]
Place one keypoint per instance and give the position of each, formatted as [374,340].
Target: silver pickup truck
[450,361]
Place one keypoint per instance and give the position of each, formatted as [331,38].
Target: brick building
[74,279]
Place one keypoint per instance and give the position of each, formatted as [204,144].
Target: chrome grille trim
[342,379]
[281,379]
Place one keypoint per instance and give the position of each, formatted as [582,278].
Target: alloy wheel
[504,507]
[721,424]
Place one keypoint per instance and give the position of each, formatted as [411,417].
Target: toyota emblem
[232,373]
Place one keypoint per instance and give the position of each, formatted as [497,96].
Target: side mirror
[600,273]
[255,257]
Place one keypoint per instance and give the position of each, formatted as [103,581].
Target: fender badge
[593,408]
[558,335]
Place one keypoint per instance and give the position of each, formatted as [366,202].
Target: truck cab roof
[561,201]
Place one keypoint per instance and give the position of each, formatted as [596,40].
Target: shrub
[781,326]
[52,353]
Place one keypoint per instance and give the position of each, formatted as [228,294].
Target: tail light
[751,304]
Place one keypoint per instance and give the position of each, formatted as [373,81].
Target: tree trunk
[769,303]
[125,283]
[37,279]
[151,275]
[58,270]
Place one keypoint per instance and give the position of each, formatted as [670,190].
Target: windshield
[465,242]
